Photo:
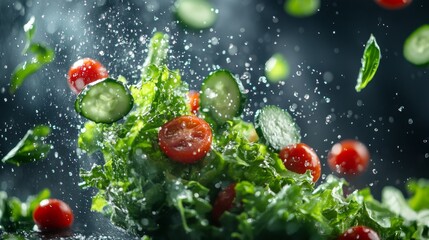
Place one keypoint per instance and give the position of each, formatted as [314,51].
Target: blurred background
[324,51]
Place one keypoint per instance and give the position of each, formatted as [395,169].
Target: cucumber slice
[277,68]
[222,96]
[196,14]
[104,101]
[301,8]
[416,47]
[276,127]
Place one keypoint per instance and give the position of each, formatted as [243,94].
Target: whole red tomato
[393,4]
[299,158]
[349,157]
[52,215]
[84,72]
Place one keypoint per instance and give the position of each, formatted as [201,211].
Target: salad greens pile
[143,191]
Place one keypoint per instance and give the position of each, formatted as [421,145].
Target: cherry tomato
[360,233]
[223,202]
[348,157]
[85,71]
[299,158]
[393,4]
[194,101]
[185,139]
[53,214]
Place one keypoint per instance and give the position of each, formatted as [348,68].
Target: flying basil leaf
[370,62]
[42,56]
[31,147]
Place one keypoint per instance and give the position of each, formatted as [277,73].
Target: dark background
[324,51]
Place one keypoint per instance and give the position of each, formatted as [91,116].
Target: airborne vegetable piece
[104,101]
[84,72]
[195,14]
[276,127]
[222,96]
[301,8]
[370,61]
[31,148]
[348,157]
[416,47]
[277,68]
[393,4]
[42,56]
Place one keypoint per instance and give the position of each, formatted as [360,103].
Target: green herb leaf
[370,62]
[16,215]
[32,147]
[42,56]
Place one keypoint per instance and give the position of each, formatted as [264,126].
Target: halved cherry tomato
[85,71]
[185,139]
[299,158]
[194,101]
[359,233]
[393,4]
[223,202]
[348,157]
[52,215]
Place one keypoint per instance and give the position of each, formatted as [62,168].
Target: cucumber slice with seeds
[196,14]
[276,127]
[104,101]
[222,96]
[416,47]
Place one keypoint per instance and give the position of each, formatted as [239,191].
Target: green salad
[146,190]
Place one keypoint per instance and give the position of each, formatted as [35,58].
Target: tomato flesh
[393,4]
[360,233]
[52,215]
[299,158]
[85,71]
[186,139]
[194,101]
[349,157]
[223,202]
